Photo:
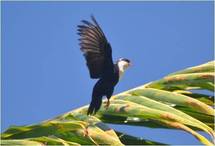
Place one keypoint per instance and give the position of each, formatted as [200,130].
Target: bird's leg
[107,104]
[86,131]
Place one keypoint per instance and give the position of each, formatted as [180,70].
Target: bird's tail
[94,105]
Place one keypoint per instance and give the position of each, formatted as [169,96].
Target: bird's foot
[86,132]
[107,104]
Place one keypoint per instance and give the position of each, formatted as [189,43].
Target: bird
[97,52]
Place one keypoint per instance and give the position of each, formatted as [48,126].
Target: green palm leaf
[165,103]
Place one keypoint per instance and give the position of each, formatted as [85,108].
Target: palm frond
[170,102]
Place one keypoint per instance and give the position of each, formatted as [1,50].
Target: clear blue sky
[44,72]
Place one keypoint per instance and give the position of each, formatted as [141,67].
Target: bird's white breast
[122,67]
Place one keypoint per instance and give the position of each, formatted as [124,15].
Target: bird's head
[123,64]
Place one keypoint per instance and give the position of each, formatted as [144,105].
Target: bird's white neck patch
[123,65]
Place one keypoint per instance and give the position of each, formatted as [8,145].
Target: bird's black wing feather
[96,49]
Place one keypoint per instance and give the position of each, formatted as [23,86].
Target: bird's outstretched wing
[96,49]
